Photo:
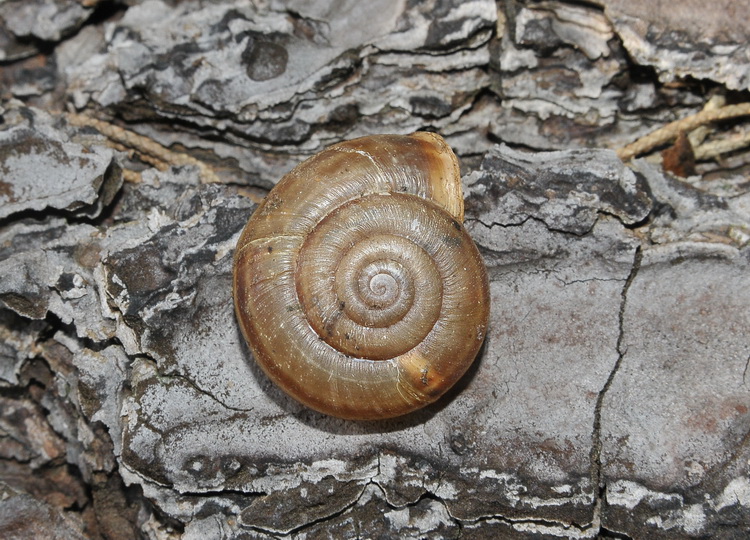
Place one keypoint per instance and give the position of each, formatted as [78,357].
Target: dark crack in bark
[596,437]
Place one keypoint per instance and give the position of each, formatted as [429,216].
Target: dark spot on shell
[425,380]
[270,249]
[342,305]
[270,204]
[452,241]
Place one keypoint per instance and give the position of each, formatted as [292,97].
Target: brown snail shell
[355,284]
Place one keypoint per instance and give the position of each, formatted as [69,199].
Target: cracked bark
[610,397]
[596,445]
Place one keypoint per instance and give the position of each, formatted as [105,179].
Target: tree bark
[610,397]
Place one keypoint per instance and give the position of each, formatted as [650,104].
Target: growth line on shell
[389,371]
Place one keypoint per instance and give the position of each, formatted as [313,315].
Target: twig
[670,131]
[133,177]
[715,149]
[143,145]
[154,162]
[699,135]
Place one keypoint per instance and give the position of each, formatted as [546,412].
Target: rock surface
[42,168]
[610,397]
[681,39]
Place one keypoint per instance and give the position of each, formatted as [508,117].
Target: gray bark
[610,397]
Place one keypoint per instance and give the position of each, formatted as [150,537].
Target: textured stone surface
[528,434]
[26,24]
[42,168]
[610,395]
[675,420]
[46,20]
[273,84]
[556,68]
[556,189]
[283,80]
[22,516]
[686,38]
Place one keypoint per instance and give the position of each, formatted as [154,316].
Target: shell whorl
[355,284]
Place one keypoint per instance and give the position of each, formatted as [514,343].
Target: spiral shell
[355,284]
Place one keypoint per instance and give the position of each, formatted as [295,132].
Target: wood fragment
[679,158]
[669,132]
[144,145]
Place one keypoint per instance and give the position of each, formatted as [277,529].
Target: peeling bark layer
[611,394]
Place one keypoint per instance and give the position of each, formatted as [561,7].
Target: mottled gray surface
[611,393]
[26,24]
[675,419]
[686,38]
[46,20]
[22,516]
[42,168]
[556,68]
[594,339]
[274,83]
[283,80]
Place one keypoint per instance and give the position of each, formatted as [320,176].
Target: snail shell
[355,284]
